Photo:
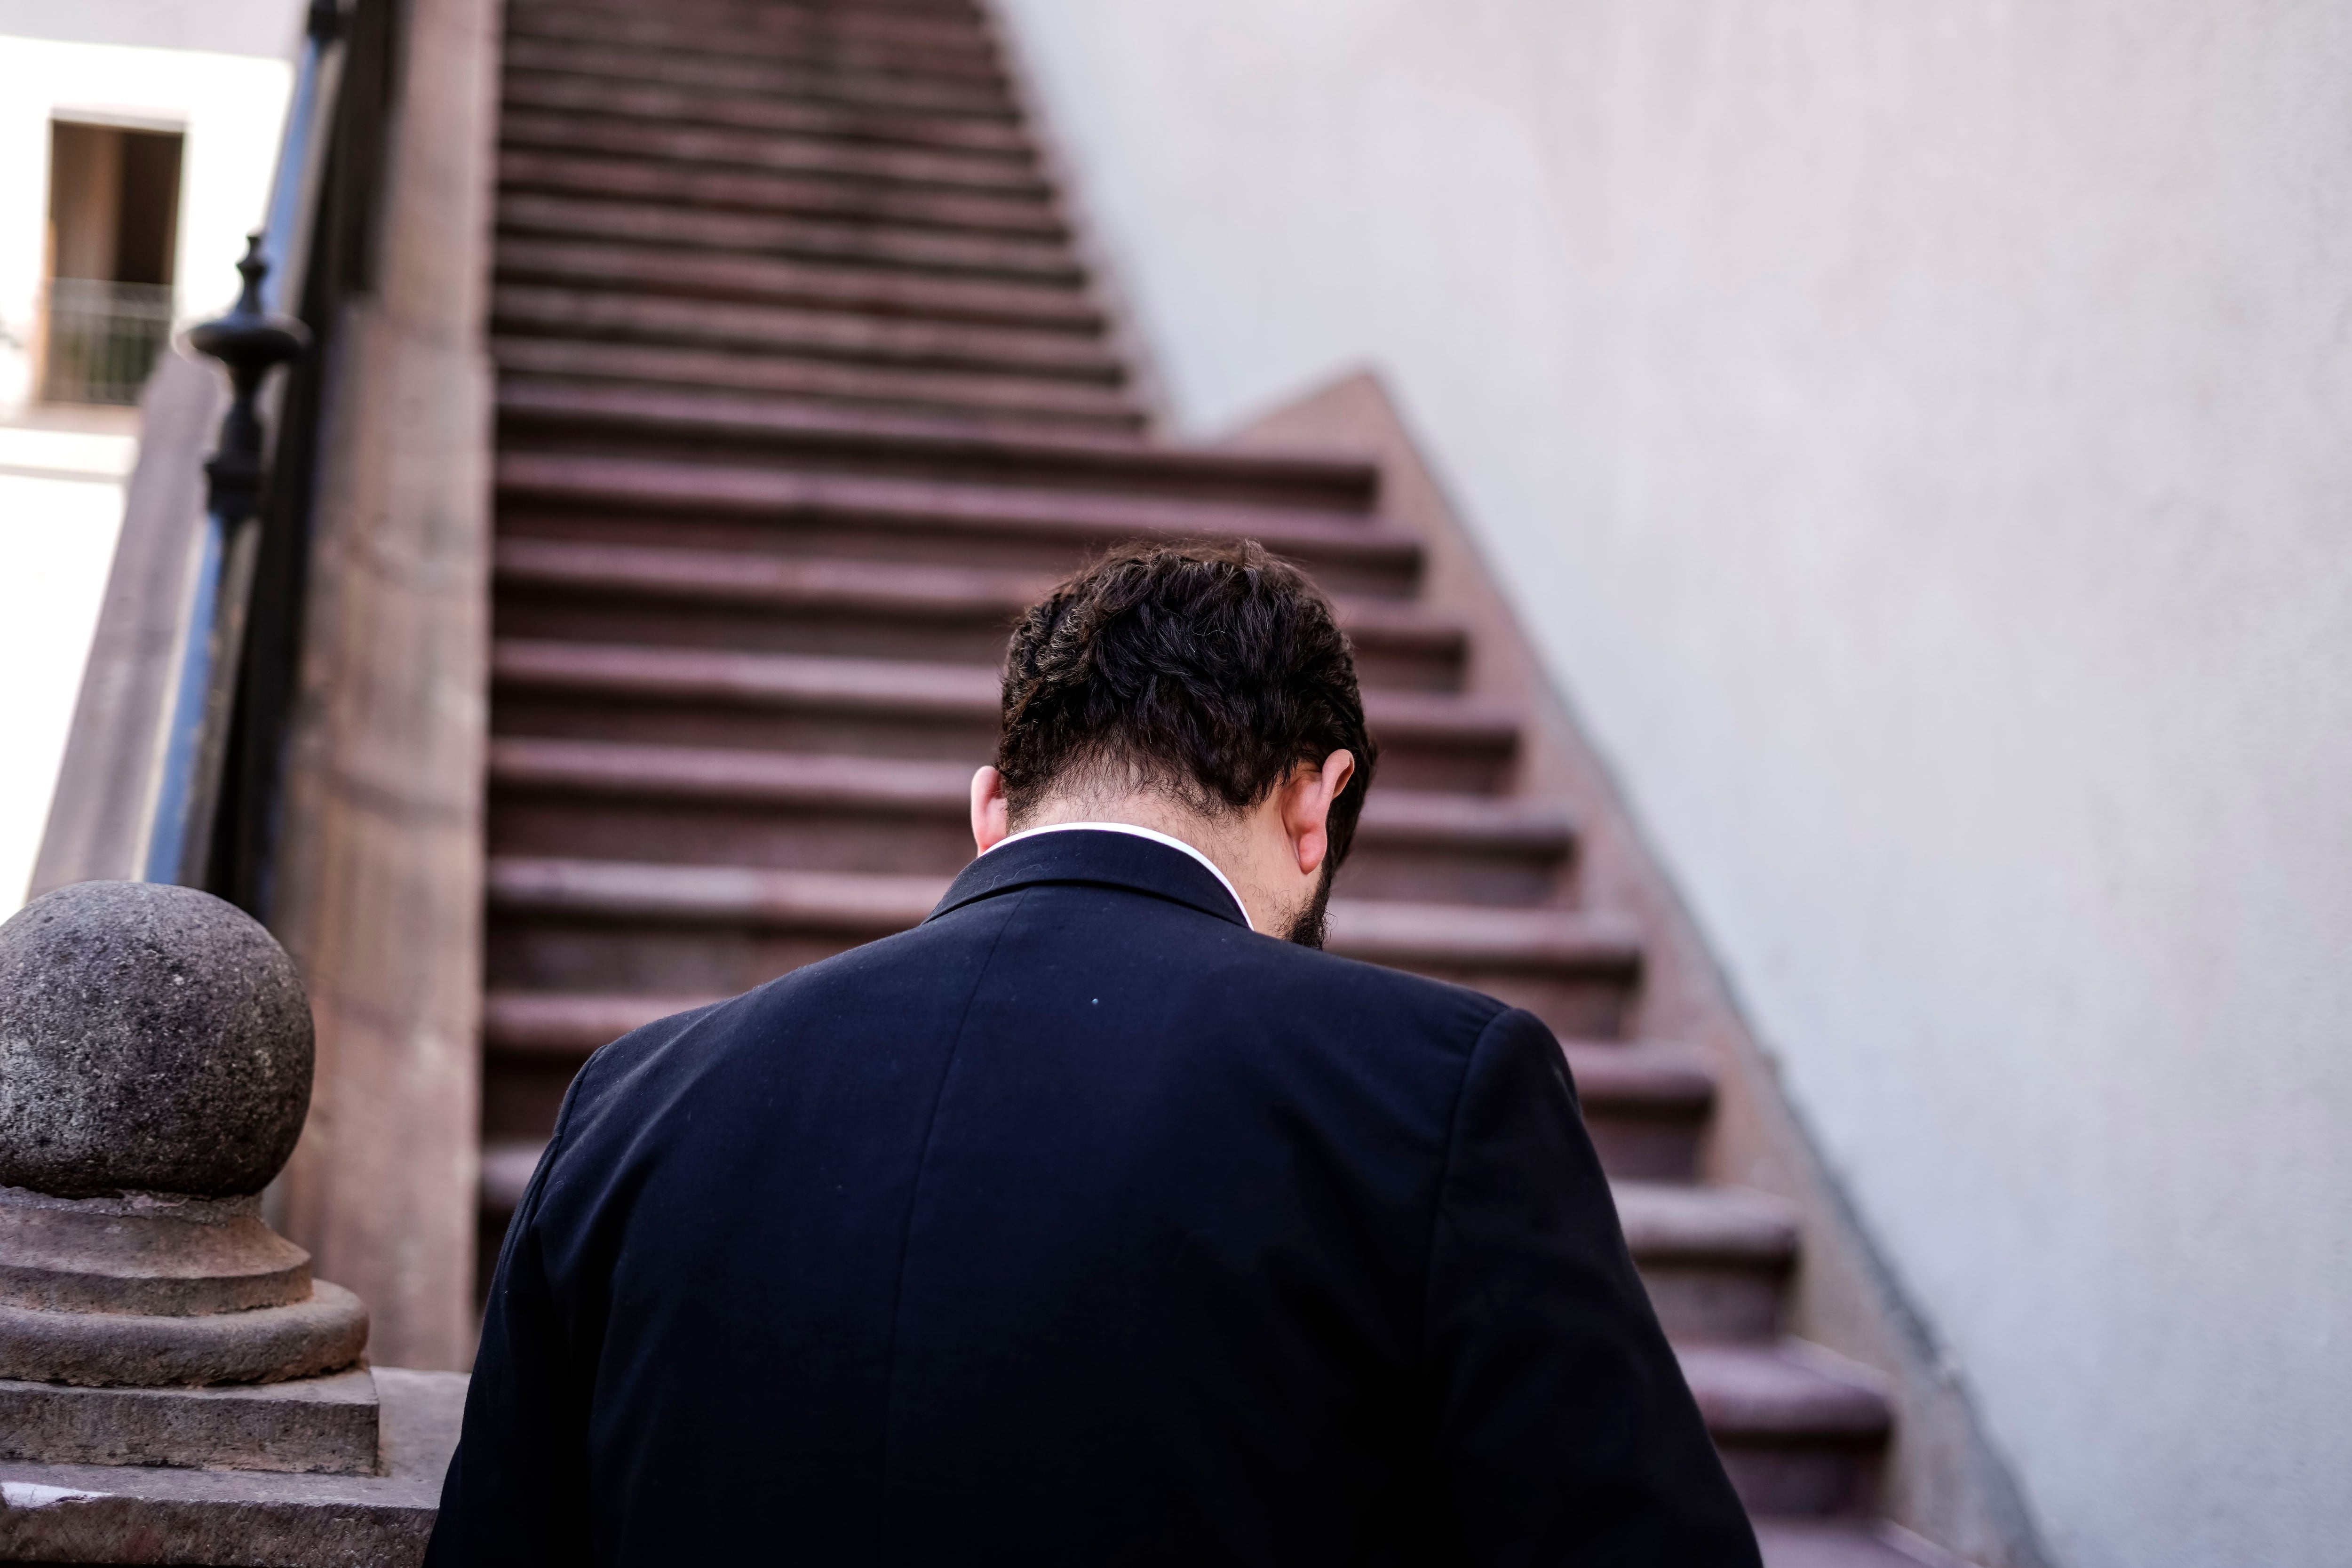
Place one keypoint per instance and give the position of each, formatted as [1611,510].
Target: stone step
[612,418]
[866,904]
[709,506]
[803,396]
[569,93]
[755,331]
[1801,1430]
[758,603]
[896,707]
[1006,395]
[687,191]
[1829,1544]
[751,74]
[770,151]
[1716,1260]
[507,1167]
[864,244]
[959,56]
[555,921]
[1646,1103]
[760,27]
[769,280]
[831,812]
[950,26]
[963,15]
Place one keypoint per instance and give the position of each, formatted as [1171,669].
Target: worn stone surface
[87,1513]
[151,1038]
[379,871]
[123,1349]
[145,1253]
[318,1424]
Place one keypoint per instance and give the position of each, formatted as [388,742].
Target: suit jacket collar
[1091,856]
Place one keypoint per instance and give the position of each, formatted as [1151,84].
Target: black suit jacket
[1079,1225]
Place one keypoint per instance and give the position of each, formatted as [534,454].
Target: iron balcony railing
[101,339]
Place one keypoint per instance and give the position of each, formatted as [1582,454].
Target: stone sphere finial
[152,1038]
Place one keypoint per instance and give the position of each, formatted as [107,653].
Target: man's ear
[991,815]
[1310,795]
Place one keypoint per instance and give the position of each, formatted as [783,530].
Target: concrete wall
[1921,439]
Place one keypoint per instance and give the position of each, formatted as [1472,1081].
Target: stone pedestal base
[98,1513]
[311,1425]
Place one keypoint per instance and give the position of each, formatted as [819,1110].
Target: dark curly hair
[1206,671]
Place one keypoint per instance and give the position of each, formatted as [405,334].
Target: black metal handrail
[225,712]
[251,342]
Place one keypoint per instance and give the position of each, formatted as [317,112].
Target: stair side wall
[380,889]
[1943,1479]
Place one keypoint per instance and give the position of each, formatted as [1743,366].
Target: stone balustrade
[174,1385]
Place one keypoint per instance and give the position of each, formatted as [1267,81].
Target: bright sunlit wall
[218,75]
[1921,439]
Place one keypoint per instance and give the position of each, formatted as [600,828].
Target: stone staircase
[802,394]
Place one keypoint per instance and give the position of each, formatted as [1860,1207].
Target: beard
[1312,924]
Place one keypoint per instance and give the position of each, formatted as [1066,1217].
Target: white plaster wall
[219,71]
[1921,439]
[60,508]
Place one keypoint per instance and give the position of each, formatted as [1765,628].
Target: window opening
[114,218]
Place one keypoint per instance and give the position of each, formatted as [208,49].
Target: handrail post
[251,342]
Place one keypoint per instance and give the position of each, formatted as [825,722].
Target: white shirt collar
[1222,880]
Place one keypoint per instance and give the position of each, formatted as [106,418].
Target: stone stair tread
[507,1167]
[753,29]
[687,190]
[743,73]
[1441,816]
[760,111]
[894,588]
[934,788]
[881,901]
[620,99]
[1809,1544]
[1483,936]
[620,218]
[897,686]
[670,487]
[1659,1076]
[1664,1220]
[968,691]
[775,423]
[784,330]
[780,152]
[773,280]
[862,902]
[948,27]
[744,577]
[770,35]
[729,773]
[1789,1391]
[571,1023]
[752,330]
[1004,391]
